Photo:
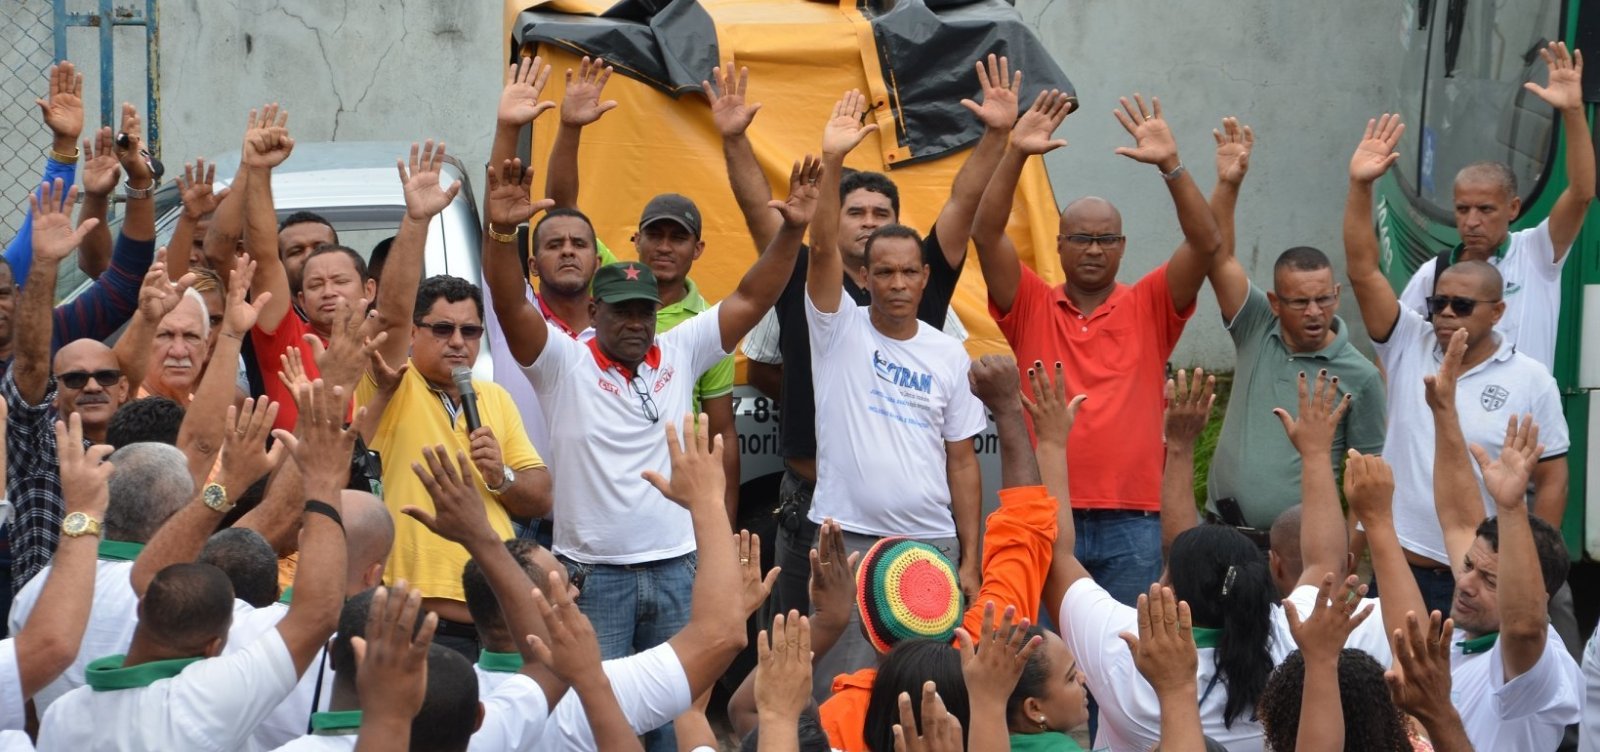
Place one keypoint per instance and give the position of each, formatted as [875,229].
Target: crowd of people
[256,500]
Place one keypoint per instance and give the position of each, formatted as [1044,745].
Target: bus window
[1416,27]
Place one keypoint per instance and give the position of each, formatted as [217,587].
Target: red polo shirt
[268,347]
[1118,356]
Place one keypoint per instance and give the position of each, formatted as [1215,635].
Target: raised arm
[782,681]
[580,106]
[1165,654]
[1564,92]
[397,296]
[101,172]
[1456,498]
[760,287]
[1229,280]
[1524,599]
[1322,528]
[54,237]
[1380,308]
[506,205]
[998,113]
[1369,487]
[225,234]
[1053,417]
[732,114]
[573,652]
[201,435]
[997,257]
[1188,411]
[519,106]
[392,668]
[62,111]
[992,668]
[266,145]
[1321,636]
[1419,680]
[1154,145]
[157,298]
[199,201]
[994,379]
[139,212]
[841,135]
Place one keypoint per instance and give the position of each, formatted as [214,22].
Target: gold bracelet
[501,237]
[50,151]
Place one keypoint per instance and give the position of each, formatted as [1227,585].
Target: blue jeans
[1120,548]
[1438,586]
[635,607]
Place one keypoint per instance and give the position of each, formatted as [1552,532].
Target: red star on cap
[631,271]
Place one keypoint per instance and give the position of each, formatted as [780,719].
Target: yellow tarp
[801,56]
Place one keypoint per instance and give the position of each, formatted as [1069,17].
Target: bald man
[1111,339]
[1497,381]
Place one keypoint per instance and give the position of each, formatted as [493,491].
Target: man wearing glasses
[1278,335]
[1497,382]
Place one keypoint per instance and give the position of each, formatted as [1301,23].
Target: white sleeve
[1538,252]
[1419,287]
[651,687]
[1552,422]
[1551,689]
[1408,327]
[761,344]
[826,327]
[1368,637]
[231,694]
[558,355]
[15,741]
[13,714]
[514,717]
[1090,621]
[22,604]
[964,417]
[701,338]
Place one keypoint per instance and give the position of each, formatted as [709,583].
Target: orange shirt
[844,715]
[1118,356]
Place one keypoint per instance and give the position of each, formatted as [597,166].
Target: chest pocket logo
[1493,397]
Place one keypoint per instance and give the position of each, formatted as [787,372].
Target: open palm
[1565,90]
[1376,152]
[845,129]
[425,196]
[1000,86]
[519,101]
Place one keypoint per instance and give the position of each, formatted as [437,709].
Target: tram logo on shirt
[899,375]
[1494,397]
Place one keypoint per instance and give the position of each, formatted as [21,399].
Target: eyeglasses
[1457,305]
[80,379]
[446,330]
[1323,301]
[1108,242]
[643,390]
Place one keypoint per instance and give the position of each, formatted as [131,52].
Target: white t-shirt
[761,344]
[1589,734]
[885,408]
[212,704]
[322,743]
[1532,295]
[1530,712]
[1508,383]
[601,439]
[13,713]
[651,687]
[112,617]
[515,714]
[289,720]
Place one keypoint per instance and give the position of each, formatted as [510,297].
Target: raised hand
[1052,414]
[994,380]
[845,128]
[505,201]
[458,514]
[195,186]
[158,295]
[131,155]
[1164,651]
[1189,404]
[581,104]
[697,476]
[391,662]
[1322,635]
[519,101]
[292,372]
[266,138]
[1369,487]
[62,108]
[245,457]
[239,310]
[1565,89]
[321,444]
[1312,432]
[1031,134]
[386,377]
[101,170]
[1419,680]
[54,238]
[993,667]
[729,109]
[756,588]
[85,473]
[801,205]
[1000,88]
[783,667]
[1441,387]
[1376,151]
[1153,143]
[1506,476]
[341,361]
[1234,144]
[573,652]
[425,195]
[941,731]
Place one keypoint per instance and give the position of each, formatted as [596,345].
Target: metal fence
[26,51]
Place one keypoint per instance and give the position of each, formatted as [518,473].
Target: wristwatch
[216,497]
[79,524]
[136,193]
[506,479]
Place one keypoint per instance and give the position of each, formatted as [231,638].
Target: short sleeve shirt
[268,346]
[1255,463]
[1589,735]
[417,417]
[1532,294]
[717,382]
[1529,712]
[887,407]
[112,617]
[1487,395]
[1118,356]
[13,714]
[515,714]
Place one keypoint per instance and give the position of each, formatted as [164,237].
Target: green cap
[624,281]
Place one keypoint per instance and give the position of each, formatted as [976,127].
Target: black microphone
[462,375]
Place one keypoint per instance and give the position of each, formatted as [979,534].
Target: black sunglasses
[80,379]
[446,330]
[649,404]
[1457,305]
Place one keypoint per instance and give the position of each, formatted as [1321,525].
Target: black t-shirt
[797,428]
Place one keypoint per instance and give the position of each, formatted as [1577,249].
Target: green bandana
[1478,644]
[336,723]
[111,550]
[499,663]
[1205,637]
[288,594]
[108,674]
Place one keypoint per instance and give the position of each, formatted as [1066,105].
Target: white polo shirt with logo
[1530,712]
[1508,383]
[885,408]
[602,439]
[1532,295]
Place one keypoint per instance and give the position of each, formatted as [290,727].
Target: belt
[457,629]
[1262,538]
[1115,514]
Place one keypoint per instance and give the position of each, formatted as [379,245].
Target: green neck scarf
[1205,637]
[111,550]
[336,723]
[1479,644]
[499,663]
[108,674]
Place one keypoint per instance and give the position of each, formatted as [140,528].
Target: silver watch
[137,193]
[506,480]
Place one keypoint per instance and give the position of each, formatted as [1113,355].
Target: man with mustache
[181,348]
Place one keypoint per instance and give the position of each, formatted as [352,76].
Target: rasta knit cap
[906,589]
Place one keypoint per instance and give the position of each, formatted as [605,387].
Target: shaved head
[1286,535]
[1087,208]
[88,351]
[368,534]
[1486,279]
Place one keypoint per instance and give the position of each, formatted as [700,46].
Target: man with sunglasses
[1497,381]
[1278,335]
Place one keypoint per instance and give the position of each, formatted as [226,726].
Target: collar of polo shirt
[336,722]
[108,674]
[111,550]
[499,663]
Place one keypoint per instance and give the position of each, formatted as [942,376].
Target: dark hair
[380,255]
[557,212]
[449,713]
[481,601]
[905,669]
[350,253]
[1302,258]
[1225,579]
[247,560]
[1035,675]
[154,419]
[187,605]
[1547,540]
[452,289]
[1371,720]
[302,217]
[875,182]
[891,231]
[812,737]
[352,623]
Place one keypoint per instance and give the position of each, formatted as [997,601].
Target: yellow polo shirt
[416,417]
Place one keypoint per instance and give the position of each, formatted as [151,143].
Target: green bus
[1460,93]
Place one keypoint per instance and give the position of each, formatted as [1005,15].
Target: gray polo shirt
[1254,461]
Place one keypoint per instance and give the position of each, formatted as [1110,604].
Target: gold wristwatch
[216,497]
[79,524]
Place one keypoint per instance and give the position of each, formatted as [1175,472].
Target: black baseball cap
[675,207]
